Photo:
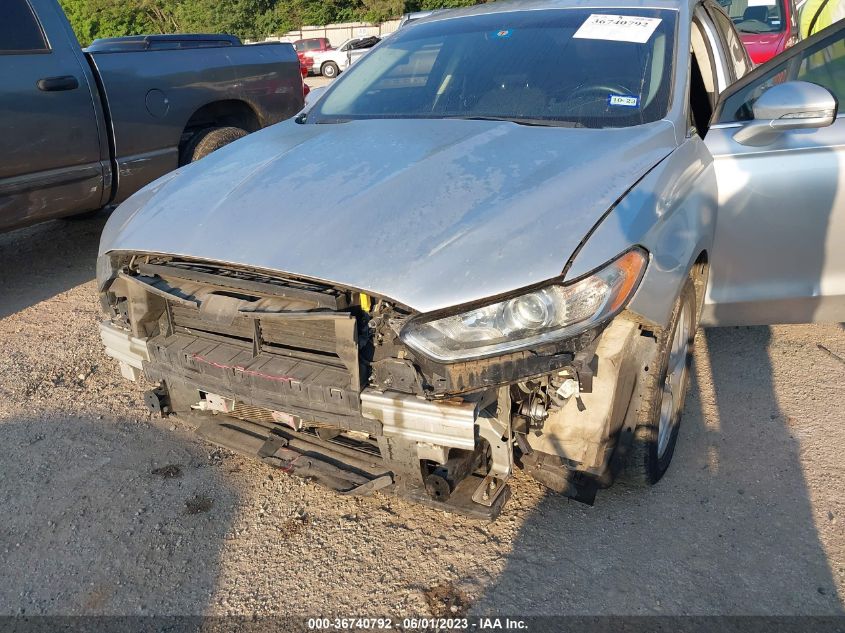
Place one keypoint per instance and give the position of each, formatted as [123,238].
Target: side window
[822,63]
[736,50]
[756,16]
[826,67]
[19,29]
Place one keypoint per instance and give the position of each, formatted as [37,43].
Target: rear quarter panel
[151,95]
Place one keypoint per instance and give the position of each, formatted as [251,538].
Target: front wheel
[660,415]
[330,70]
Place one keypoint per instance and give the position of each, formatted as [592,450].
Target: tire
[208,140]
[330,70]
[659,419]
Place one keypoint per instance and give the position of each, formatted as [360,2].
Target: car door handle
[56,84]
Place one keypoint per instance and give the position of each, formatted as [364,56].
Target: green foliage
[425,5]
[107,18]
[92,19]
[381,10]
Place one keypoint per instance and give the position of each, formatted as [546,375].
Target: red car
[310,45]
[767,27]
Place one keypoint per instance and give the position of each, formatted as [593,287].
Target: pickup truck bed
[83,130]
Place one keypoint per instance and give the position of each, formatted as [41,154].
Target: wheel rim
[676,381]
[329,71]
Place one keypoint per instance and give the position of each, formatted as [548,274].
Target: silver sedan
[488,246]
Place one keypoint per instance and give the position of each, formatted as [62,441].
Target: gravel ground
[317,81]
[107,511]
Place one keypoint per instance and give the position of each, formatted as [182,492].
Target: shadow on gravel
[729,529]
[108,517]
[41,261]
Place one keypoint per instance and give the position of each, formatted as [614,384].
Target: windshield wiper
[519,121]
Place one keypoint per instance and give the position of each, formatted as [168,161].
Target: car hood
[428,213]
[762,47]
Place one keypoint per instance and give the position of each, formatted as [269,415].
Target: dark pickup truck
[82,130]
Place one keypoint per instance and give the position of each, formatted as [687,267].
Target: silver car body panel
[671,212]
[777,254]
[428,213]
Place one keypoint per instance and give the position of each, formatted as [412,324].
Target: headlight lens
[547,314]
[105,271]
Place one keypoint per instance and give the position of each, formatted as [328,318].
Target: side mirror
[314,96]
[311,99]
[794,105]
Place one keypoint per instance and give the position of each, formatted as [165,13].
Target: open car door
[778,142]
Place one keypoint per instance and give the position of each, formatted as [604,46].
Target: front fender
[671,212]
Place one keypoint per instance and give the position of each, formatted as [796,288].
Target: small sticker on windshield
[617,28]
[626,101]
[502,34]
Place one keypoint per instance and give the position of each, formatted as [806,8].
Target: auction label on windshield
[617,28]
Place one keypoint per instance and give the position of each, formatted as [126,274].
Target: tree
[447,4]
[381,10]
[161,14]
[238,17]
[93,19]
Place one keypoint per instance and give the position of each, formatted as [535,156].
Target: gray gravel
[748,520]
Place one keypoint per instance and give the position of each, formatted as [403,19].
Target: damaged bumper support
[315,381]
[570,453]
[380,448]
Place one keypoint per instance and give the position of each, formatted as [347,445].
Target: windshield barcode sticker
[617,100]
[617,28]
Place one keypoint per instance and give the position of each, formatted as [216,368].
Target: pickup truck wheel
[660,416]
[208,140]
[330,70]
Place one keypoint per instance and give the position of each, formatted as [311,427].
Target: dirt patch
[171,471]
[446,600]
[199,504]
[295,526]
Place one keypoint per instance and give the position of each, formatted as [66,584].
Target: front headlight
[543,315]
[105,271]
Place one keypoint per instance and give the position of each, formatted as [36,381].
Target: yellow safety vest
[828,12]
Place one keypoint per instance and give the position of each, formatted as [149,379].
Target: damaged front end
[363,394]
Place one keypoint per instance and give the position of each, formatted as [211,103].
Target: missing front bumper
[405,432]
[343,469]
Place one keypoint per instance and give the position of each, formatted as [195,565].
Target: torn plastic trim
[129,351]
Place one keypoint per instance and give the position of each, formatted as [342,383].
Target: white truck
[333,62]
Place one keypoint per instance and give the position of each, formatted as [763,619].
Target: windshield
[568,67]
[307,45]
[756,16]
